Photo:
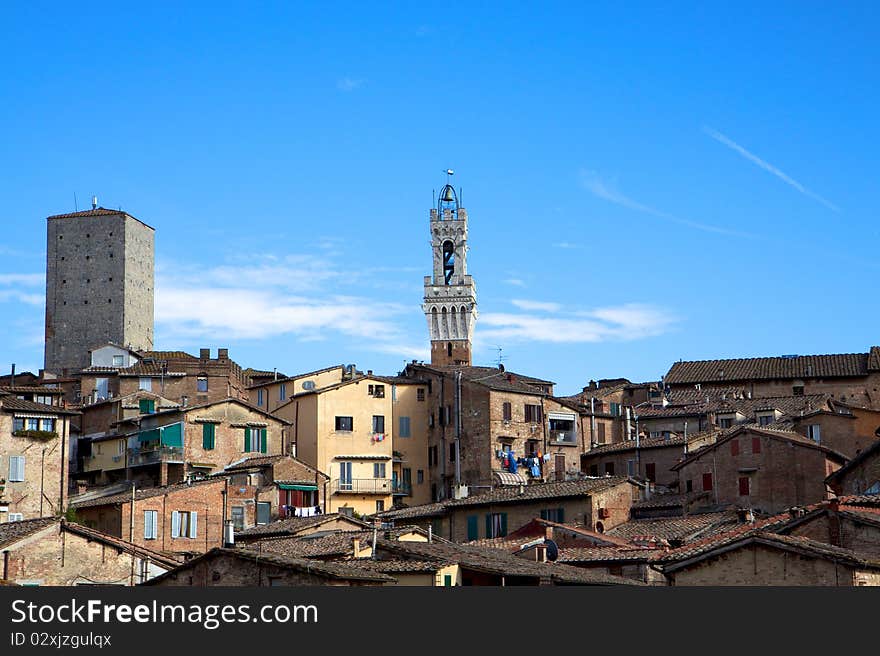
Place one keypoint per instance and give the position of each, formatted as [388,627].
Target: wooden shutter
[175,524]
[263,440]
[507,411]
[193,523]
[601,437]
[247,439]
[650,471]
[472,530]
[744,486]
[707,482]
[756,445]
[734,447]
[503,524]
[208,436]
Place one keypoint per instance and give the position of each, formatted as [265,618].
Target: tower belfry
[450,294]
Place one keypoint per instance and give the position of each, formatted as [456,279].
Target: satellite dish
[552,550]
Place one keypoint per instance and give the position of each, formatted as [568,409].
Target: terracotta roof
[11,532]
[156,556]
[679,558]
[100,211]
[493,378]
[329,570]
[337,543]
[874,359]
[799,366]
[14,403]
[869,500]
[437,509]
[294,525]
[498,562]
[398,566]
[168,355]
[872,452]
[541,491]
[143,493]
[603,554]
[686,528]
[668,500]
[31,389]
[651,443]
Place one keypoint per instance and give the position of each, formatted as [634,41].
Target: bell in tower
[450,302]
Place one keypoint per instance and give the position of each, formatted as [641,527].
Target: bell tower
[450,294]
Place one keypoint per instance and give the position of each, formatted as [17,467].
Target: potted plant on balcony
[35,434]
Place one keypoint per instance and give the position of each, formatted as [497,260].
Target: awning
[303,488]
[508,478]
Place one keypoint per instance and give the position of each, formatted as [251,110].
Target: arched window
[448,260]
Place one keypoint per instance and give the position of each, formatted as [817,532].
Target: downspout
[457,428]
[131,532]
[442,417]
[61,504]
[593,421]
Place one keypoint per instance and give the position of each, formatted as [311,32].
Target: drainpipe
[61,504]
[457,428]
[131,532]
[593,421]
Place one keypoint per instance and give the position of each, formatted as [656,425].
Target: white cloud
[516,282]
[566,245]
[620,323]
[24,279]
[730,143]
[601,189]
[348,84]
[540,306]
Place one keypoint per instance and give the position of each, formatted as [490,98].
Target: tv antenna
[500,358]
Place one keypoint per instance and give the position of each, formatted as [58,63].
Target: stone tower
[450,294]
[99,285]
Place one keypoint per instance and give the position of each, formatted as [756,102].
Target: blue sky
[644,184]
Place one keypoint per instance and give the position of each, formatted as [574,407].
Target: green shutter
[208,436]
[560,515]
[263,433]
[503,524]
[488,525]
[447,580]
[473,532]
[147,406]
[247,439]
[172,435]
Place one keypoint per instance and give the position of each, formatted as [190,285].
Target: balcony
[154,455]
[362,486]
[401,488]
[564,437]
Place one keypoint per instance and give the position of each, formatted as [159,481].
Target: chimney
[12,381]
[228,534]
[834,522]
[369,372]
[205,354]
[356,546]
[541,553]
[548,532]
[94,202]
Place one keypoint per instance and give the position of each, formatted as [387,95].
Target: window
[16,469]
[255,439]
[814,432]
[447,580]
[208,431]
[308,385]
[150,524]
[238,518]
[609,468]
[403,428]
[472,530]
[797,390]
[688,485]
[118,360]
[744,486]
[615,409]
[101,388]
[496,525]
[600,439]
[15,517]
[734,447]
[17,424]
[33,424]
[145,383]
[420,476]
[264,512]
[146,406]
[631,468]
[378,423]
[553,515]
[380,505]
[202,384]
[420,394]
[282,391]
[45,400]
[344,424]
[650,471]
[725,422]
[345,476]
[764,420]
[378,470]
[506,411]
[562,428]
[756,445]
[184,524]
[532,413]
[377,391]
[260,398]
[707,482]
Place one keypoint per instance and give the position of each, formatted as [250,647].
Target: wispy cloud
[516,282]
[607,191]
[23,279]
[540,306]
[22,288]
[618,323]
[730,143]
[565,244]
[349,84]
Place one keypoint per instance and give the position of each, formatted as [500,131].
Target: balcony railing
[150,456]
[402,489]
[362,486]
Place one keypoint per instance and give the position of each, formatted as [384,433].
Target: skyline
[631,202]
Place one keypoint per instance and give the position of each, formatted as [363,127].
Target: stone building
[450,303]
[34,446]
[850,377]
[861,475]
[99,285]
[273,393]
[759,468]
[51,551]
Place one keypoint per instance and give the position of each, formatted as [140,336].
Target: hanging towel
[536,471]
[513,466]
[546,457]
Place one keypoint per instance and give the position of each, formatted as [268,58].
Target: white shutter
[193,521]
[175,524]
[16,468]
